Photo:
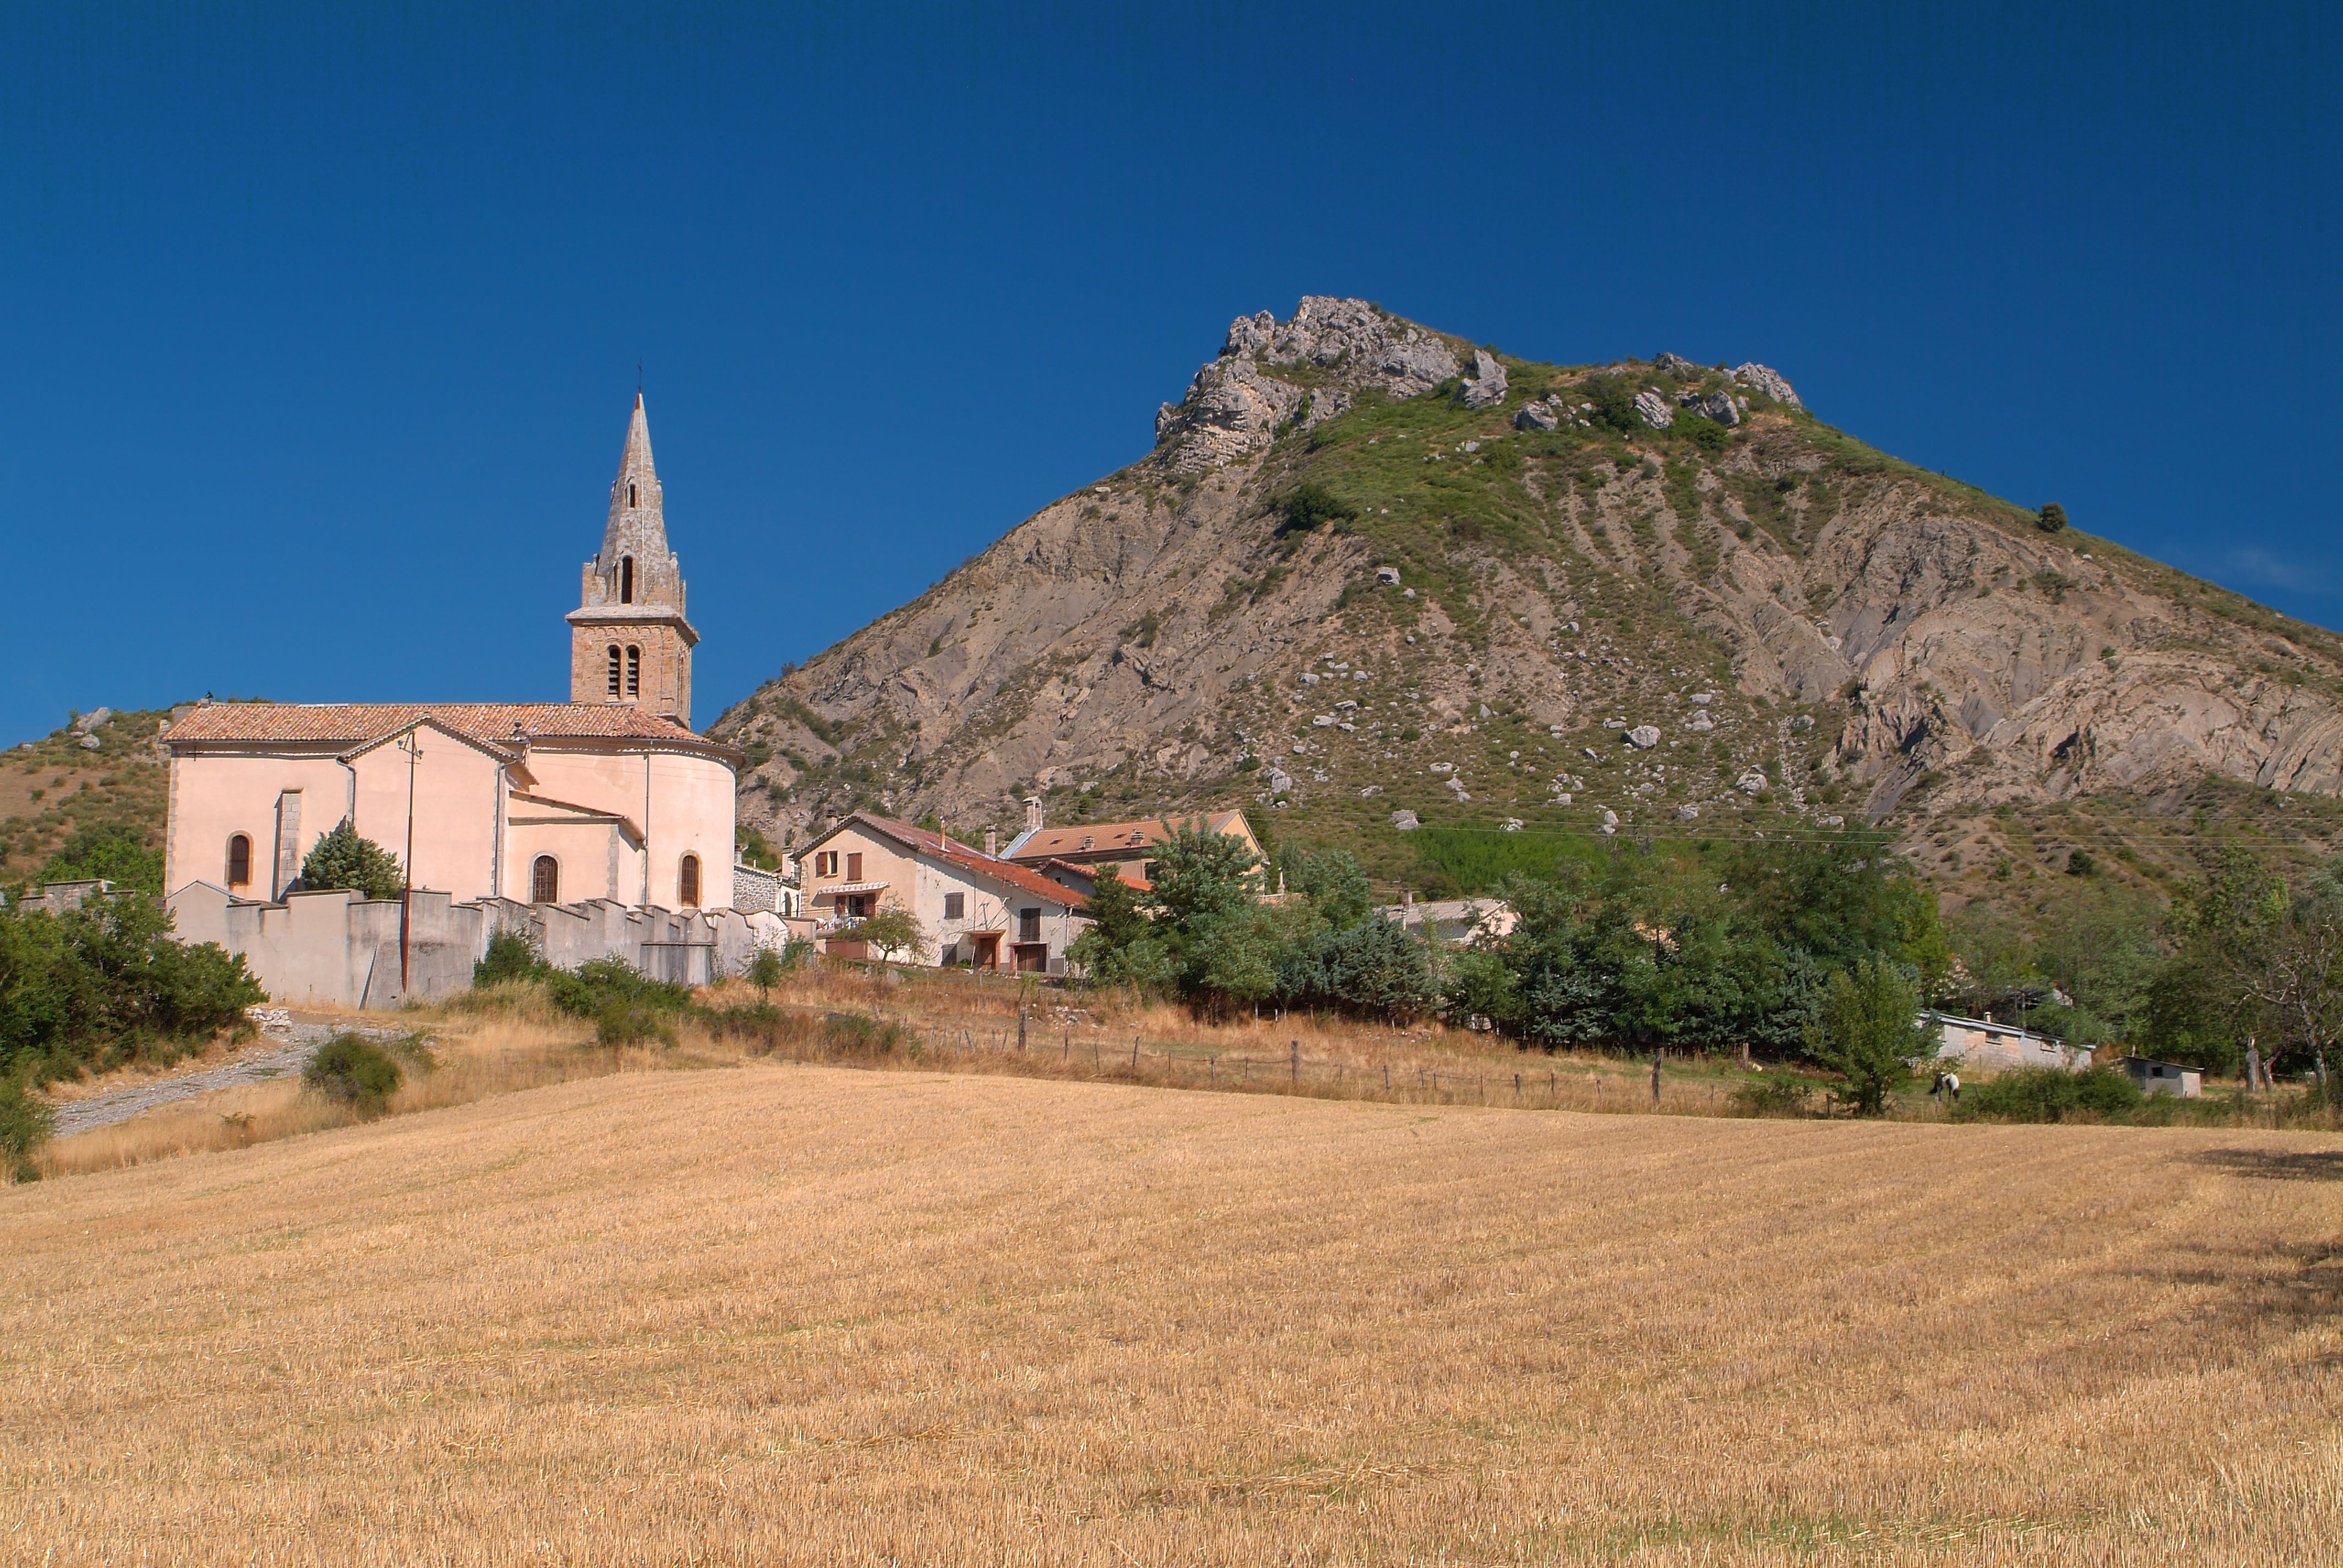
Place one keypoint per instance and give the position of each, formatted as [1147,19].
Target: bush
[354,1070]
[1772,1097]
[1867,1027]
[114,853]
[343,860]
[590,989]
[2051,519]
[511,956]
[624,1023]
[25,1124]
[2049,1094]
[852,1034]
[106,984]
[1310,505]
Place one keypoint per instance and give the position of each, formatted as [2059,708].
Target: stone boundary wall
[339,950]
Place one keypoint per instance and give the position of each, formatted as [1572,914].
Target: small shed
[1982,1043]
[2165,1076]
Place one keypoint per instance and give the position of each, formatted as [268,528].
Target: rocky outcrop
[1235,404]
[1678,365]
[1770,382]
[1720,406]
[1654,409]
[1486,385]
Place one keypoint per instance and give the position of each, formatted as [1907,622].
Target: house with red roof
[972,908]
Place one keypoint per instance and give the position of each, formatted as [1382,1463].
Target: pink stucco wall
[465,844]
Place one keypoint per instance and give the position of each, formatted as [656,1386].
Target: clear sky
[322,320]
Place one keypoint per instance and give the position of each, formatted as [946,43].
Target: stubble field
[781,1313]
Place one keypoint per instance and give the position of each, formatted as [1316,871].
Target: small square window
[955,906]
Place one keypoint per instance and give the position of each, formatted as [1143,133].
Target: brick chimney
[1032,813]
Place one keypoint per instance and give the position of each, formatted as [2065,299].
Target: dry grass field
[783,1313]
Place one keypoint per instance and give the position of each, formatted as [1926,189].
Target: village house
[1455,923]
[2155,1077]
[1982,1042]
[974,909]
[1075,856]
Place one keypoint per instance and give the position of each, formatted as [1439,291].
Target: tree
[1310,504]
[1868,1029]
[765,971]
[2051,519]
[26,1123]
[343,860]
[114,853]
[891,930]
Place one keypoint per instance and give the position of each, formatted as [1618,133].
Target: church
[609,795]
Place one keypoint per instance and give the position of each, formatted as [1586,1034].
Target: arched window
[626,579]
[545,880]
[634,671]
[614,669]
[239,860]
[687,882]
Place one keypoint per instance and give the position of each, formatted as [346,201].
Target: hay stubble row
[787,1313]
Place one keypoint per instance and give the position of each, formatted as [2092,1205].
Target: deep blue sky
[322,320]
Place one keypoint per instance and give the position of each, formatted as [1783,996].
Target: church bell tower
[629,641]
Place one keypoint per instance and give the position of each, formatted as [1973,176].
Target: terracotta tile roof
[951,851]
[489,723]
[1107,838]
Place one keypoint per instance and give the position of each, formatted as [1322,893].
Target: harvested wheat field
[804,1314]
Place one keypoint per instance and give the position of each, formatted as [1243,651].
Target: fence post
[1297,1064]
[1134,1053]
[1386,1077]
[1517,1086]
[1020,1029]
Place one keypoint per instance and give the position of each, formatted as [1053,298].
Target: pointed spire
[638,525]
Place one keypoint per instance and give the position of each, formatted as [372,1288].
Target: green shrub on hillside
[108,984]
[1309,504]
[25,1124]
[511,956]
[2051,519]
[115,851]
[355,1070]
[2050,1094]
[593,989]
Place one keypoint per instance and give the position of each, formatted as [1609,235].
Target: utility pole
[410,743]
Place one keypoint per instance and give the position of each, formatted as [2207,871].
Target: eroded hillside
[1369,568]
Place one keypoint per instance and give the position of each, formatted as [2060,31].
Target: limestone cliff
[1369,568]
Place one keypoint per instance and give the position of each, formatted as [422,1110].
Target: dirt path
[280,1050]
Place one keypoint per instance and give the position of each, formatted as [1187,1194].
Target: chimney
[1406,898]
[993,843]
[1032,813]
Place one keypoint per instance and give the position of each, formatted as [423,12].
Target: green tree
[26,1123]
[343,860]
[893,929]
[1108,950]
[1333,882]
[354,1070]
[1309,504]
[114,851]
[1867,1029]
[765,971]
[2051,519]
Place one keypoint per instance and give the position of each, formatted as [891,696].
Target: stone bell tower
[629,641]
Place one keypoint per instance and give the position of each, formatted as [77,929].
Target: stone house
[975,909]
[1455,922]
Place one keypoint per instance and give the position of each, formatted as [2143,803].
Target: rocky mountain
[1371,574]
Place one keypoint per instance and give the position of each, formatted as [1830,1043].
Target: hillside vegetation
[1813,631]
[68,810]
[795,1315]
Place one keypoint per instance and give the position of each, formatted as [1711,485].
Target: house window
[854,865]
[1029,925]
[1146,869]
[855,906]
[955,906]
[634,671]
[545,880]
[239,860]
[825,863]
[626,569]
[614,669]
[687,882]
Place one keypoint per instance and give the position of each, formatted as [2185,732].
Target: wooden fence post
[1020,1029]
[1297,1064]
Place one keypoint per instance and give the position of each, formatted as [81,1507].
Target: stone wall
[338,949]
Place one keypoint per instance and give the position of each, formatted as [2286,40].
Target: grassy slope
[51,788]
[797,1314]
